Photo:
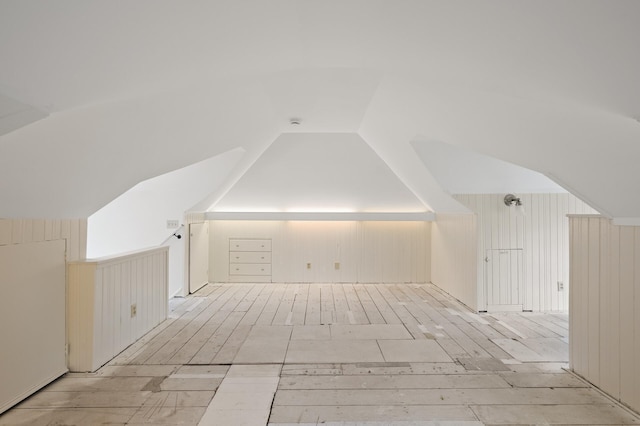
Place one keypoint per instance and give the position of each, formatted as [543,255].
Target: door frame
[192,288]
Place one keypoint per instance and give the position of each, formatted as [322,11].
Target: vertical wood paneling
[605,305]
[604,295]
[5,232]
[542,233]
[593,300]
[367,251]
[627,269]
[635,399]
[612,347]
[574,259]
[16,231]
[22,231]
[99,301]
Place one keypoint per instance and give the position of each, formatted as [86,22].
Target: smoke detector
[295,121]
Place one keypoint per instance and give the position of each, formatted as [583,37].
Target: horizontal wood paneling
[542,232]
[365,251]
[100,296]
[20,231]
[454,242]
[605,306]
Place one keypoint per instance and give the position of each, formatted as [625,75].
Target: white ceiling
[319,172]
[14,114]
[137,90]
[460,171]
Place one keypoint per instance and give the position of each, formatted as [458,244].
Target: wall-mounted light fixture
[512,200]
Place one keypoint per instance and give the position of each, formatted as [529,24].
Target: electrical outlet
[560,286]
[134,310]
[309,265]
[336,265]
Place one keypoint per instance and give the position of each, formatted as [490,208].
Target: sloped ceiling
[137,91]
[460,171]
[138,217]
[319,172]
[14,114]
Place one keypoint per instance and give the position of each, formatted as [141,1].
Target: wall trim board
[320,216]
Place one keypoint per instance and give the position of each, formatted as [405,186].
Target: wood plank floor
[331,354]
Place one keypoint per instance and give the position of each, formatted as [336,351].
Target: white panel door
[32,318]
[198,256]
[504,279]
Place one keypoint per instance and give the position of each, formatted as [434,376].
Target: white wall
[605,306]
[138,218]
[367,251]
[543,235]
[32,318]
[454,254]
[42,272]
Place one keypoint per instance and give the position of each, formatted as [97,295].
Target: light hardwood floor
[331,354]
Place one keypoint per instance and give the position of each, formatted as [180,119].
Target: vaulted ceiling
[97,96]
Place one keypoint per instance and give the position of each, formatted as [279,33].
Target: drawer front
[250,257]
[249,269]
[249,245]
[249,278]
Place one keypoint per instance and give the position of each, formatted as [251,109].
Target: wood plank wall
[454,254]
[100,296]
[542,233]
[605,306]
[20,231]
[368,251]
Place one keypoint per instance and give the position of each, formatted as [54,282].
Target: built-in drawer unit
[249,245]
[250,257]
[249,260]
[249,269]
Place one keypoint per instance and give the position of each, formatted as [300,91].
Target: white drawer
[250,257]
[249,245]
[249,269]
[249,278]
